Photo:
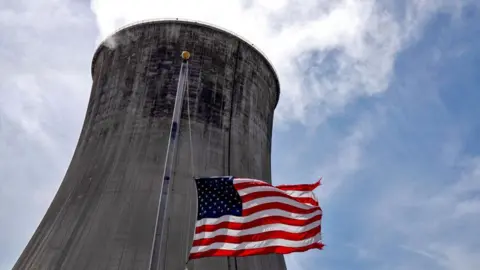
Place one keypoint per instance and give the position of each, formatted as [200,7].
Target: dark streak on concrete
[103,215]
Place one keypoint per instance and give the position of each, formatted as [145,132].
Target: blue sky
[378,97]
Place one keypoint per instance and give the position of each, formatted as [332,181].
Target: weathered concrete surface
[104,213]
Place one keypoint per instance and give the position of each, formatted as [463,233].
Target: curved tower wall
[103,215]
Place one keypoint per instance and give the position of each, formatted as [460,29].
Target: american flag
[243,217]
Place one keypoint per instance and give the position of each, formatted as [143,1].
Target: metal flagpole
[159,236]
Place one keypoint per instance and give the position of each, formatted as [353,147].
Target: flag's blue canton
[217,197]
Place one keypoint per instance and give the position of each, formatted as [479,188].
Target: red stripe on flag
[281,206]
[305,187]
[244,185]
[255,251]
[257,237]
[263,194]
[257,222]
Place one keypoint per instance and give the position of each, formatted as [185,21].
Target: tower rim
[214,27]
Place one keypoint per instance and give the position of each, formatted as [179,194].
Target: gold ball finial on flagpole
[185,55]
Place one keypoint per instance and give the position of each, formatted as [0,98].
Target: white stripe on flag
[246,180]
[293,193]
[257,215]
[258,244]
[275,199]
[258,230]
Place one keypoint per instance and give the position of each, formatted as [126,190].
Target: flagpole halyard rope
[192,153]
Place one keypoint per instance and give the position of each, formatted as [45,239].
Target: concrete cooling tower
[104,214]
